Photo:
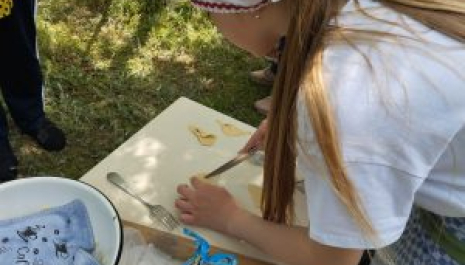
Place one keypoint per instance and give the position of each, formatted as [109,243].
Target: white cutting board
[165,153]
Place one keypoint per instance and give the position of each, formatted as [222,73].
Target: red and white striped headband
[231,6]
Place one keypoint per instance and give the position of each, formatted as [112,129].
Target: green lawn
[113,65]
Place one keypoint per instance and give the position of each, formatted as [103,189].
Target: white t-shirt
[401,122]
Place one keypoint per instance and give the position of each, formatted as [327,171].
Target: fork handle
[119,182]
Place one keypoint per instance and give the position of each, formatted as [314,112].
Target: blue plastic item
[201,255]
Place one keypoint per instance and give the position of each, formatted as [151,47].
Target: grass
[111,66]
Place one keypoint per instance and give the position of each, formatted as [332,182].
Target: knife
[231,163]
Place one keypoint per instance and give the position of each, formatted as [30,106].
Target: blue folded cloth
[83,258]
[58,236]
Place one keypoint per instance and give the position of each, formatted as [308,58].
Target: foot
[263,77]
[8,162]
[48,136]
[263,105]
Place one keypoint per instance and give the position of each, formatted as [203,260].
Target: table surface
[164,153]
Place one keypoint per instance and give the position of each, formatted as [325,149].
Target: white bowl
[29,195]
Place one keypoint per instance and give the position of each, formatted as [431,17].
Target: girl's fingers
[186,192]
[253,143]
[197,183]
[257,138]
[187,218]
[183,198]
[184,205]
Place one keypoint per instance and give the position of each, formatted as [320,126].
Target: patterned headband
[231,6]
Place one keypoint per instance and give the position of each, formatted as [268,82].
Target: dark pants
[20,74]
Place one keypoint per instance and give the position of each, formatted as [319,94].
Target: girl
[369,107]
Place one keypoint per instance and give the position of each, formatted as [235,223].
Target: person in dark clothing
[21,84]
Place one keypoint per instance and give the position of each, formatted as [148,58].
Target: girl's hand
[206,205]
[257,140]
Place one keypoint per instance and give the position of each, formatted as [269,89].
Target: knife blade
[231,163]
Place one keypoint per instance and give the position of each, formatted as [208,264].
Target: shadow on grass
[148,10]
[105,14]
[101,107]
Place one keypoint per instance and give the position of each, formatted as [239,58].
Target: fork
[157,211]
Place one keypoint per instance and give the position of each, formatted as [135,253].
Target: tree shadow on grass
[149,15]
[101,107]
[105,14]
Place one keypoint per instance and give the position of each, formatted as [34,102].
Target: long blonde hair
[301,65]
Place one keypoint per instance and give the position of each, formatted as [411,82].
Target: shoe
[263,77]
[8,162]
[263,105]
[48,136]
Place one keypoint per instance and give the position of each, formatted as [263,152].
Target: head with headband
[253,25]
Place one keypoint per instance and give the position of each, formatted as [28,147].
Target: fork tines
[165,217]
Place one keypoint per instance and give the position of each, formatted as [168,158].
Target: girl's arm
[213,207]
[289,244]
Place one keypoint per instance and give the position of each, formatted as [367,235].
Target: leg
[264,77]
[22,85]
[8,161]
[267,76]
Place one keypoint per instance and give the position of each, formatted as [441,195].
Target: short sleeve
[380,159]
[379,162]
[397,108]
[387,196]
